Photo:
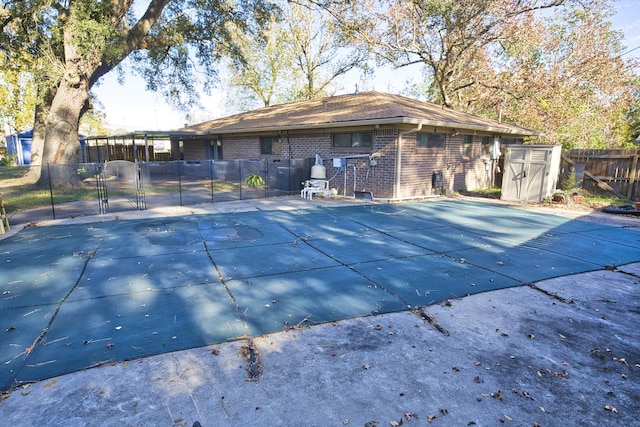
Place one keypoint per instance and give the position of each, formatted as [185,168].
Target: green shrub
[254,180]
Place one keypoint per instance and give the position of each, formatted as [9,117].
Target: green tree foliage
[633,113]
[299,56]
[553,65]
[73,43]
[17,99]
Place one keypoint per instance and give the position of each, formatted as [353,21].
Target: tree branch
[134,36]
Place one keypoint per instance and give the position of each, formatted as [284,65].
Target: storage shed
[530,172]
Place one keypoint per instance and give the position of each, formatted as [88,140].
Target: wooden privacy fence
[611,171]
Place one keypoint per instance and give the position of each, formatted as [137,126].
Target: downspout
[399,158]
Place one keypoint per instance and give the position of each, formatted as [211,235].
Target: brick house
[390,145]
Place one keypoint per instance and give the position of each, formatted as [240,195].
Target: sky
[131,107]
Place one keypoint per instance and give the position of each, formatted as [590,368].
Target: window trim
[487,143]
[466,149]
[352,146]
[271,139]
[428,146]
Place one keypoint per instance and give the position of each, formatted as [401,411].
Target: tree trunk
[61,144]
[39,131]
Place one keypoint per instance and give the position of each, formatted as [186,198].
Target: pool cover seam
[349,266]
[54,316]
[445,254]
[525,244]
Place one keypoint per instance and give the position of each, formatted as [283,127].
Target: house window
[508,141]
[354,139]
[467,142]
[430,140]
[486,145]
[270,145]
[180,150]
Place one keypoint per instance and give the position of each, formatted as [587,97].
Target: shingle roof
[364,108]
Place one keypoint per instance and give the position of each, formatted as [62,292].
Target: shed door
[526,172]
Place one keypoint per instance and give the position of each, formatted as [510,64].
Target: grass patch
[600,200]
[30,197]
[222,186]
[488,193]
[12,172]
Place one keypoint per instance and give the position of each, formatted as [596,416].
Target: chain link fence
[119,185]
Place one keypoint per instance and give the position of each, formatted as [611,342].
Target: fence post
[266,178]
[632,176]
[240,176]
[211,177]
[53,209]
[180,182]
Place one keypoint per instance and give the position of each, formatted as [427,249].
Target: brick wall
[418,164]
[459,172]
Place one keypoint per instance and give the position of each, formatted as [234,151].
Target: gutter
[397,186]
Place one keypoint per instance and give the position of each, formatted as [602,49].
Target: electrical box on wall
[339,162]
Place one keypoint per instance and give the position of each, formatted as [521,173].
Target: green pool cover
[76,296]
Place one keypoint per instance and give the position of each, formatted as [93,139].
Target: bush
[9,160]
[254,180]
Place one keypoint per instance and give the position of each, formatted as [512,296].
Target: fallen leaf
[431,417]
[50,383]
[508,417]
[497,395]
[563,374]
[562,336]
[366,366]
[535,424]
[611,408]
[408,416]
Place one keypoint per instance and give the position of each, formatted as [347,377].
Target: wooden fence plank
[614,171]
[602,184]
[632,176]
